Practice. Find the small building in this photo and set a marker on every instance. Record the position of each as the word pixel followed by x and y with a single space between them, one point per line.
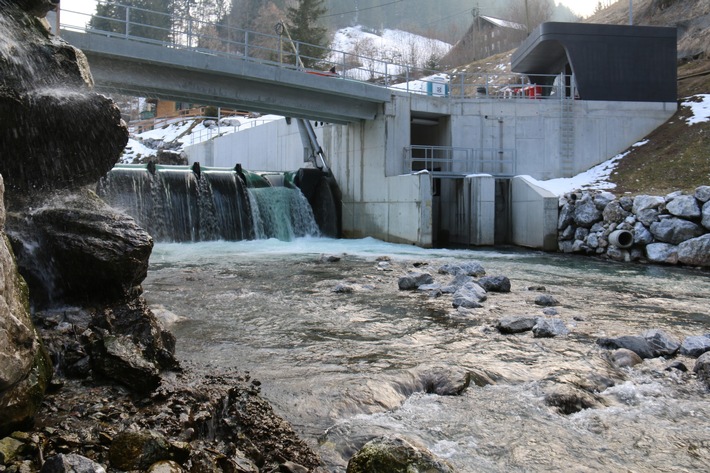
pixel 485 37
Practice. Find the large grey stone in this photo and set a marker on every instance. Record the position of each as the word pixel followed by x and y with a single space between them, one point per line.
pixel 684 206
pixel 516 324
pixel 702 193
pixel 647 216
pixel 566 216
pixel 495 283
pixel 71 463
pixel 646 202
pixel 642 236
pixel 638 345
pixel 548 328
pixel 602 199
pixel 393 455
pixel 662 253
pixel 413 280
pixel 675 230
pixel 696 251
pixel 695 345
pixel 469 296
pixel 586 213
pixel 468 268
pixel 614 212
pixel 702 368
pixel 661 343
pixel 706 215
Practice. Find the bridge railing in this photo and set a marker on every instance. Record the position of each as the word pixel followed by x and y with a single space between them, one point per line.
pixel 458 162
pixel 222 40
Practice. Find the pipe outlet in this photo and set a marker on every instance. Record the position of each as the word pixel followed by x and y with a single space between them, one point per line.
pixel 621 238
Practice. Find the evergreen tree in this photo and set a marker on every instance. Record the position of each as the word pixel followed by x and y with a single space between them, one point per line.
pixel 150 19
pixel 303 25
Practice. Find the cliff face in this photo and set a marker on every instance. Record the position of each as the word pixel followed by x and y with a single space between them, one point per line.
pixel 25 368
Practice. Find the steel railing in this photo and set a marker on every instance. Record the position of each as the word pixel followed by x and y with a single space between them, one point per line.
pixel 458 162
pixel 220 40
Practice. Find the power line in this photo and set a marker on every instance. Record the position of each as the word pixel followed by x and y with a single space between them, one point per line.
pixel 361 9
pixel 468 10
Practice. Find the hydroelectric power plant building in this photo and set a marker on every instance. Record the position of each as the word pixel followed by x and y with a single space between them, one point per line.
pixel 441 170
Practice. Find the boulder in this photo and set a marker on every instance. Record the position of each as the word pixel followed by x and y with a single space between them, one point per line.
pixel 602 199
pixel 516 324
pixel 702 193
pixel 702 368
pixel 646 202
pixel 566 216
pixel 695 345
pixel 469 296
pixel 706 215
pixel 661 343
pixel 413 280
pixel 647 216
pixel 684 206
pixel 71 463
pixel 469 268
pixel 25 367
pixel 641 234
pixel 548 328
pixel 675 230
pixel 581 233
pixel 625 358
pixel 10 448
pixel 546 300
pixel 568 399
pixel 586 212
pixel 139 450
pixel 696 251
pixel 638 345
pixel 443 381
pixel 78 250
pixel 662 253
pixel 614 212
pixel 166 466
pixel 495 283
pixel 395 455
pixel 627 203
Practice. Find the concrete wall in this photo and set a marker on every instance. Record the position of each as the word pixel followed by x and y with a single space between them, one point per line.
pixel 533 215
pixel 380 197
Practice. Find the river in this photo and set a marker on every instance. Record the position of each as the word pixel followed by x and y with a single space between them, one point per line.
pixel 346 366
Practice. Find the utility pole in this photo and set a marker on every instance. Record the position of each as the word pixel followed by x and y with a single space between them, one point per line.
pixel 527 16
pixel 631 12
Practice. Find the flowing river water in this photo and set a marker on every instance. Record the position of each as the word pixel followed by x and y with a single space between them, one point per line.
pixel 346 366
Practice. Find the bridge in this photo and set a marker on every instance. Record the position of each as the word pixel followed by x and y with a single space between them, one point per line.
pixel 187 61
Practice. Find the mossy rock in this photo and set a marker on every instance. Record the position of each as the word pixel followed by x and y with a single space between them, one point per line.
pixel 396 455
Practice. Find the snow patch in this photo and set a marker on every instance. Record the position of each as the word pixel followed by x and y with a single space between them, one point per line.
pixel 700 109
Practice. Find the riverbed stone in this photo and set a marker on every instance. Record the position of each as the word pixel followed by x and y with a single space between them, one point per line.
pixel 469 296
pixel 9 449
pixel 71 463
pixel 468 268
pixel 546 300
pixel 625 358
pixel 549 328
pixel 675 230
pixel 702 193
pixel 702 368
pixel 413 280
pixel 684 206
pixel 396 455
pixel 662 343
pixel 695 345
pixel 569 400
pixel 138 450
pixel 636 344
pixel 646 202
pixel 662 253
pixel 516 324
pixel 696 251
pixel 495 283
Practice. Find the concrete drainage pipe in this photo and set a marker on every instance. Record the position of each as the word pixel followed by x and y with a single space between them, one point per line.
pixel 621 238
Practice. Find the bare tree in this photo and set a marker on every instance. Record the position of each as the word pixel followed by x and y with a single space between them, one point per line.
pixel 531 12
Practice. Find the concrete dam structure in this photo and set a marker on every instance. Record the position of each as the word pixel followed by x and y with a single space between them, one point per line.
pixel 437 170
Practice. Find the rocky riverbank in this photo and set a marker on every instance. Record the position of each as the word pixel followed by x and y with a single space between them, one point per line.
pixel 671 229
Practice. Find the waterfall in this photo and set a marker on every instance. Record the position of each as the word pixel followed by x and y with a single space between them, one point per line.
pixel 182 204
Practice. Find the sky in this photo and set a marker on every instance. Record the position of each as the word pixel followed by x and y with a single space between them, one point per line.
pixel 87 7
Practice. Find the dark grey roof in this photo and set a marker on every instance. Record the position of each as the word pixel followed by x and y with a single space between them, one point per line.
pixel 610 62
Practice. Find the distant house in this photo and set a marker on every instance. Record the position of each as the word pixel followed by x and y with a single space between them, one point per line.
pixel 486 36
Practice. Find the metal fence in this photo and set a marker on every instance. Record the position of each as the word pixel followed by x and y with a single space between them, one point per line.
pixel 457 162
pixel 222 40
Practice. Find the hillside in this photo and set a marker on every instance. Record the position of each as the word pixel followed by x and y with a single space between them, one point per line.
pixel 677 155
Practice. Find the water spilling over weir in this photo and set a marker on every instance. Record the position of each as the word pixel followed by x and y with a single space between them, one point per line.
pixel 190 204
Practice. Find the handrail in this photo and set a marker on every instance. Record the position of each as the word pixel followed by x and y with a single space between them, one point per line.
pixel 187 33
pixel 458 162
